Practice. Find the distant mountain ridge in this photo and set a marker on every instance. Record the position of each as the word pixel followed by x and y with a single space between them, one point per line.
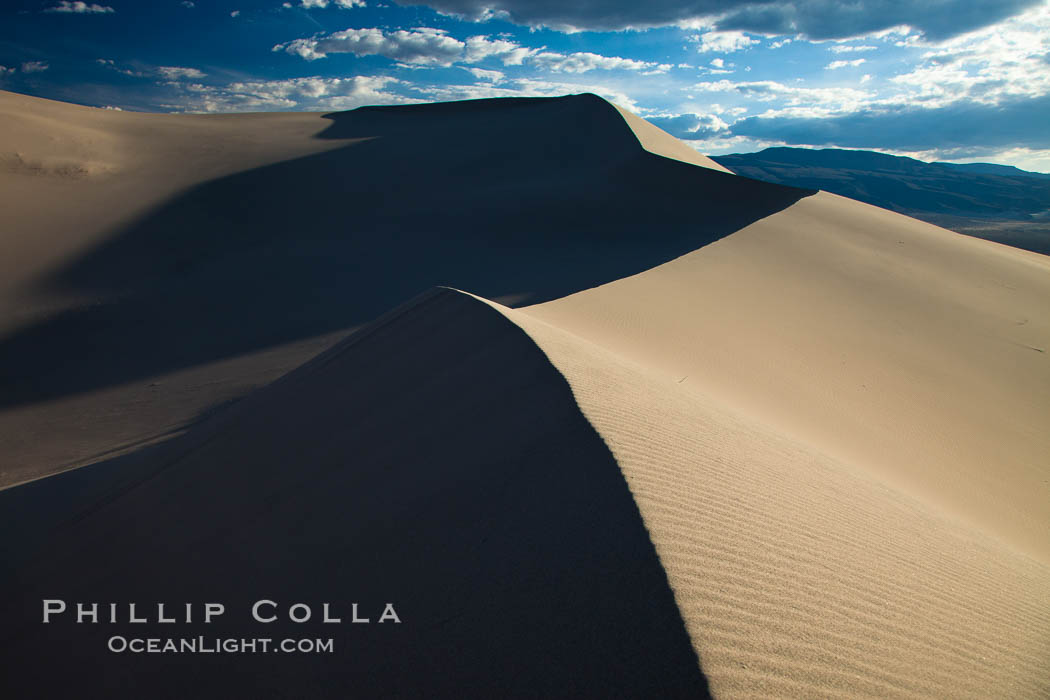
pixel 996 202
pixel 995 169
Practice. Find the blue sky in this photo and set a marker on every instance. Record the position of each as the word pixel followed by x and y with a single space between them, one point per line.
pixel 958 80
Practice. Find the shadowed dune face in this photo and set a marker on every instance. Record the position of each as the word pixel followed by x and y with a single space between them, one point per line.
pixel 518 200
pixel 437 461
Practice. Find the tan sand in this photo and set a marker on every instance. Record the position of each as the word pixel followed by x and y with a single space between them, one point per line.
pixel 72 176
pixel 799 575
pixel 655 140
pixel 834 423
pixel 156 267
pixel 910 352
pixel 70 173
pixel 830 418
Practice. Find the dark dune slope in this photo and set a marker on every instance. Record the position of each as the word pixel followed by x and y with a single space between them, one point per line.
pixel 517 200
pixel 436 461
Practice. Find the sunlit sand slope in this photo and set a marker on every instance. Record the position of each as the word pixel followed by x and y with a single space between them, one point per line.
pixel 904 350
pixel 801 576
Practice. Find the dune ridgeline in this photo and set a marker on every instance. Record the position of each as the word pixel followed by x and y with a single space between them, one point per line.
pixel 681 434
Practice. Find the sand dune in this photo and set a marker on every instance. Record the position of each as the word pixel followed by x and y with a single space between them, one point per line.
pixel 892 345
pixel 420 462
pixel 737 438
pixel 799 575
pixel 208 265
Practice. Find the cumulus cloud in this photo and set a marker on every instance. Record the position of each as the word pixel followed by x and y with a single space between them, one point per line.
pixel 794 100
pixel 987 91
pixel 953 128
pixel 583 62
pixel 178 72
pixel 428 46
pixel 999 63
pixel 690 126
pixel 345 4
pixel 816 19
pixel 850 48
pixel 293 93
pixel 420 45
pixel 509 53
pixel 4 70
pixel 80 8
pixel 35 66
pixel 984 92
pixel 492 76
pixel 835 65
pixel 724 42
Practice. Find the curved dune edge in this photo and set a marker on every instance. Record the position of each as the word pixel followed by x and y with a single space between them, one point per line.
pixel 434 459
pixel 796 575
pixel 659 142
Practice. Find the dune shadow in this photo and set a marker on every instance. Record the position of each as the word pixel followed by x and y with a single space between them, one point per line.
pixel 439 464
pixel 524 199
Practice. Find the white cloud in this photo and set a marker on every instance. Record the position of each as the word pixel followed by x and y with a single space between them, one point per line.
pixel 970 96
pixel 4 70
pixel 345 4
pixel 428 46
pixel 35 66
pixel 509 53
pixel 795 101
pixel 179 73
pixel 689 126
pixel 844 48
pixel 835 65
pixel 189 4
pixel 113 108
pixel 1005 61
pixel 718 62
pixel 724 42
pixel 80 8
pixel 235 13
pixel 420 45
pixel 492 76
pixel 110 63
pixel 293 93
pixel 584 61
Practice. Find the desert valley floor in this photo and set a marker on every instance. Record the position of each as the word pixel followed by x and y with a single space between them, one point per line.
pixel 601 417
